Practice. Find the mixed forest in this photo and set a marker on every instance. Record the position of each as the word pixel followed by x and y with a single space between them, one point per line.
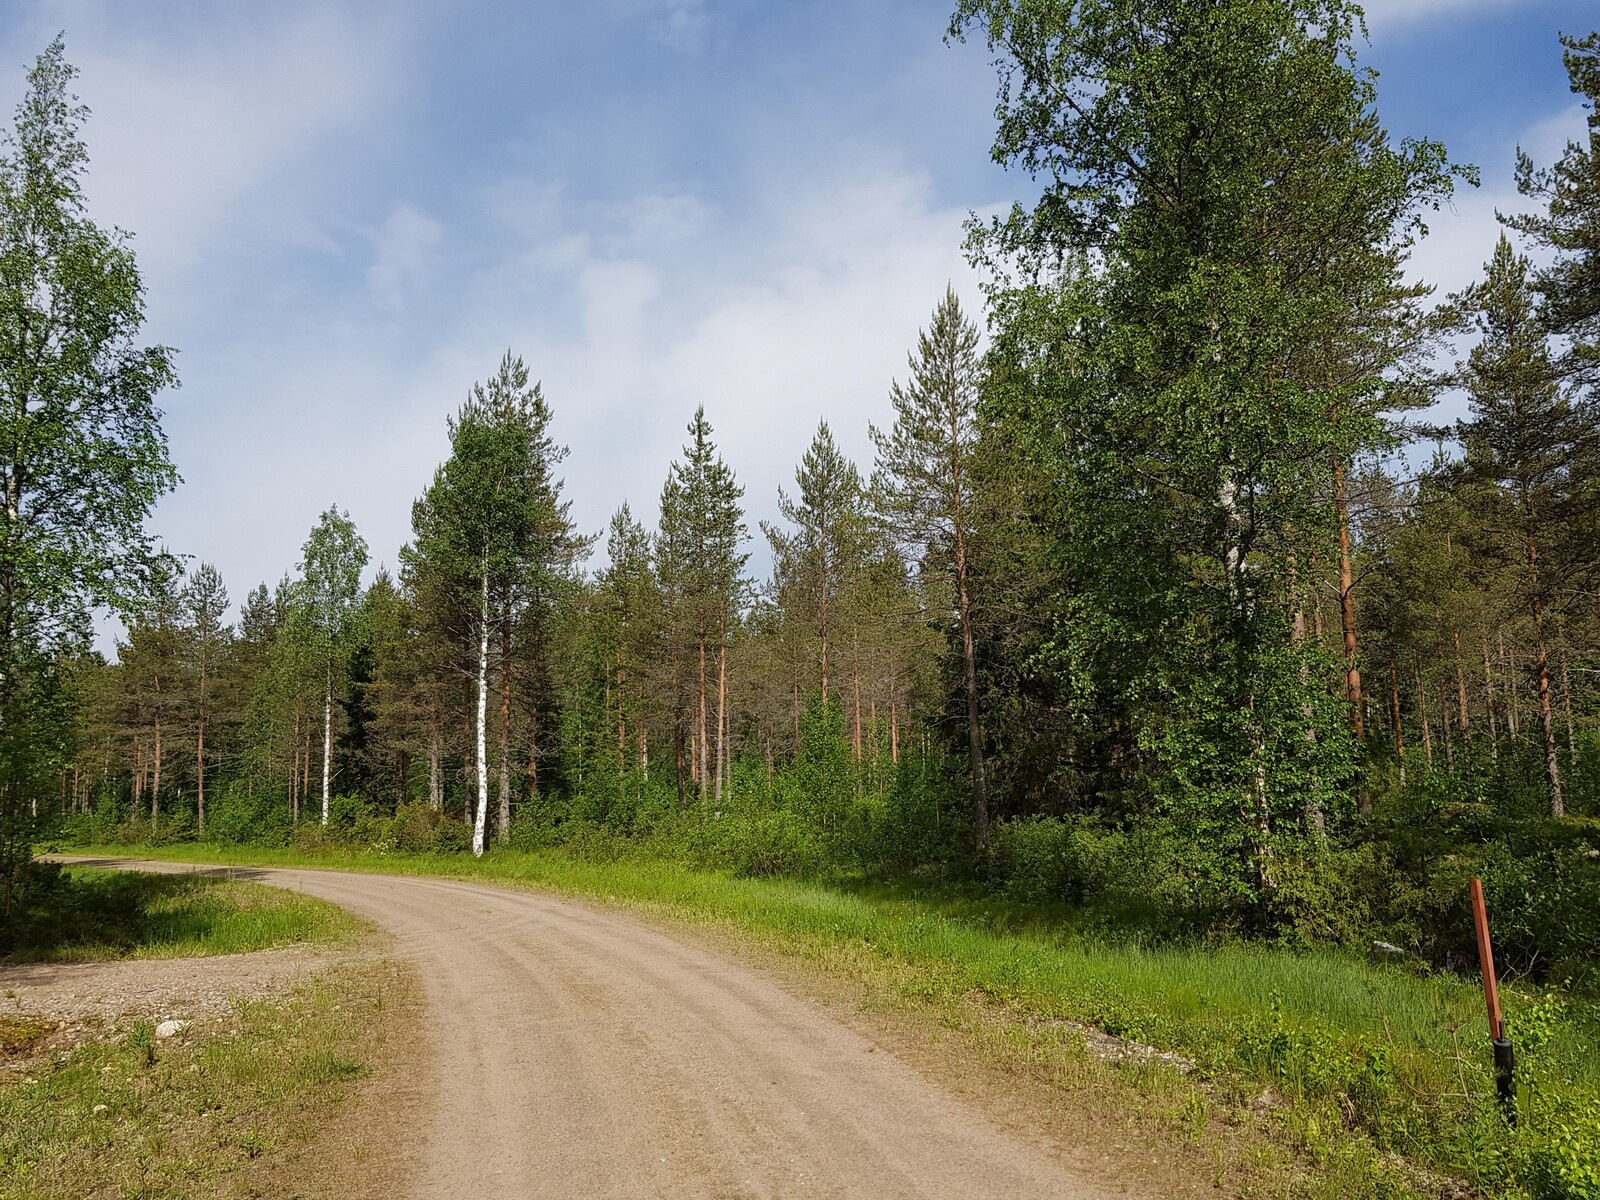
pixel 1168 593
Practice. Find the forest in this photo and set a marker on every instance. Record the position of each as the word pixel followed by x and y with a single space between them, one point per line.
pixel 1168 597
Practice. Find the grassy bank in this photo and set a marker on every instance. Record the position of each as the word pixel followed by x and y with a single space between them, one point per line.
pixel 1344 1062
pixel 222 1115
pixel 89 915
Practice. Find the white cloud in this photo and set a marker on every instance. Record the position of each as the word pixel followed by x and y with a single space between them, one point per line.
pixel 1463 235
pixel 1385 14
pixel 404 248
pixel 682 24
pixel 190 123
pixel 807 318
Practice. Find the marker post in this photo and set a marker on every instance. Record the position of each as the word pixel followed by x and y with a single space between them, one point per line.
pixel 1505 1061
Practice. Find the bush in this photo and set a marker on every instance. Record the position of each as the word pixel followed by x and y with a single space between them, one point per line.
pixel 238 818
pixel 1147 876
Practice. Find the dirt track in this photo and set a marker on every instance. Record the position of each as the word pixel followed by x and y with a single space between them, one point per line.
pixel 578 1054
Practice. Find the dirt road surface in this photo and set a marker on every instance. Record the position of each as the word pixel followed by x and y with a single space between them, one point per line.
pixel 577 1054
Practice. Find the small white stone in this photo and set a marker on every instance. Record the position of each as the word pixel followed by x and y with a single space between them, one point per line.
pixel 99 1108
pixel 171 1028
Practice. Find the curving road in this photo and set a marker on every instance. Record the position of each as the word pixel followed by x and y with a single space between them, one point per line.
pixel 578 1054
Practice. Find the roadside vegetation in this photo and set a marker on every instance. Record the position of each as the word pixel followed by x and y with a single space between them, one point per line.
pixel 224 1114
pixel 79 914
pixel 1147 678
pixel 1336 1060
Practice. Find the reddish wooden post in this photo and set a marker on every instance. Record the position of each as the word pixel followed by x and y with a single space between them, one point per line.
pixel 1504 1059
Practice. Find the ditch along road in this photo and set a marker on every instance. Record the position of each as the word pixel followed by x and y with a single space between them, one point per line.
pixel 576 1053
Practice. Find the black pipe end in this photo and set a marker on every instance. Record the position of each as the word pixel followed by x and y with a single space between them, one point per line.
pixel 1505 1077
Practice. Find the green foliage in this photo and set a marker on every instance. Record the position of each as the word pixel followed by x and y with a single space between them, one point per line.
pixel 82 455
pixel 84 914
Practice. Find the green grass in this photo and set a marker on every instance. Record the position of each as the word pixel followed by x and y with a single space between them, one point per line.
pixel 200 1116
pixel 1359 1058
pixel 91 915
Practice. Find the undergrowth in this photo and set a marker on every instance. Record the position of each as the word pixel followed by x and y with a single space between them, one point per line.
pixel 1356 1058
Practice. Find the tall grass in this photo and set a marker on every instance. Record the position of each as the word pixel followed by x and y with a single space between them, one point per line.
pixel 1394 1055
pixel 90 915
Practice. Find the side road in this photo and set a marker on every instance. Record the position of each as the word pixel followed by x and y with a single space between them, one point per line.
pixel 579 1054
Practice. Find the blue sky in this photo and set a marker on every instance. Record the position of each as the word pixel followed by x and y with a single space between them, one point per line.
pixel 346 212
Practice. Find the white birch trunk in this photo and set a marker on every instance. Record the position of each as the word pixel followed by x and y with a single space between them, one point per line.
pixel 483 714
pixel 327 742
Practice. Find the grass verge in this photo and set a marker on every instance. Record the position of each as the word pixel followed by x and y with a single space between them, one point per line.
pixel 90 915
pixel 1314 1074
pixel 219 1115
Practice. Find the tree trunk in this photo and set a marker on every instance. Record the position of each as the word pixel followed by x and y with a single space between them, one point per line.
pixel 1444 728
pixel 1488 704
pixel 1347 606
pixel 700 729
pixel 1513 709
pixel 1394 715
pixel 855 684
pixel 503 816
pixel 678 763
pixel 1547 725
pixel 155 777
pixel 435 779
pixel 894 730
pixel 1422 708
pixel 294 771
pixel 824 631
pixel 622 729
pixel 200 754
pixel 1463 721
pixel 200 777
pixel 722 708
pixel 481 730
pixel 1566 703
pixel 327 741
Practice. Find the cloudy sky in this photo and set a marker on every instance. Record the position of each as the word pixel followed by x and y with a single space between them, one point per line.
pixel 346 212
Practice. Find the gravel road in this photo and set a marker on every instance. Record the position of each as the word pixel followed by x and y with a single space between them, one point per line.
pixel 578 1054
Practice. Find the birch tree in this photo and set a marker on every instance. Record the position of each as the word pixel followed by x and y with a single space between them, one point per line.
pixel 496 538
pixel 331 563
pixel 82 455
pixel 1216 184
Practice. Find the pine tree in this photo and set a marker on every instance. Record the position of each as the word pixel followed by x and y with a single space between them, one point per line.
pixel 1525 449
pixel 923 484
pixel 818 566
pixel 207 635
pixel 701 567
pixel 1570 225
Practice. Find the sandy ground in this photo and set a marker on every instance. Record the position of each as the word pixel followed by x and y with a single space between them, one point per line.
pixel 579 1054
